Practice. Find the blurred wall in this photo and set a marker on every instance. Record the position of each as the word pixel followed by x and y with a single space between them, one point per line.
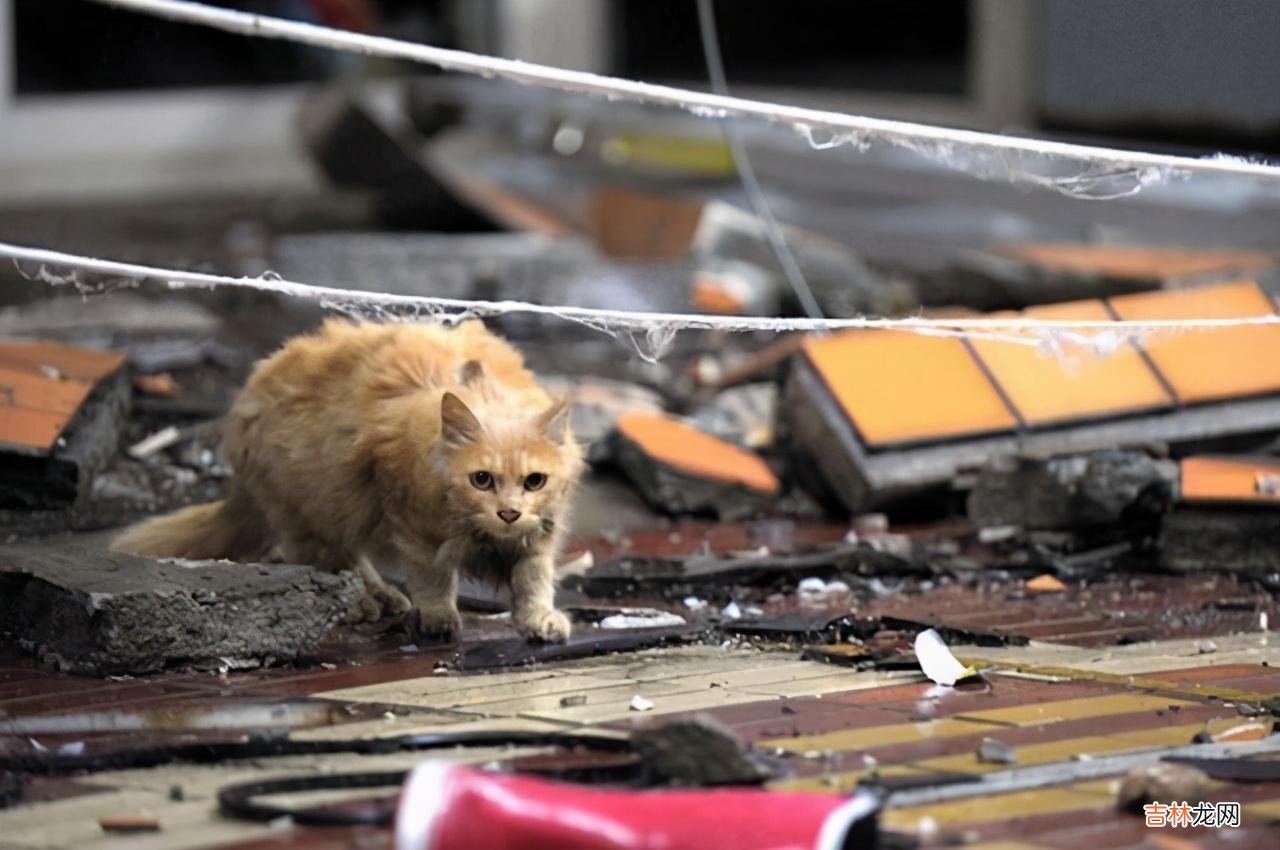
pixel 1163 61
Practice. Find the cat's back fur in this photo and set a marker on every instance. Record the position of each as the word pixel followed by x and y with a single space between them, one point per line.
pixel 330 441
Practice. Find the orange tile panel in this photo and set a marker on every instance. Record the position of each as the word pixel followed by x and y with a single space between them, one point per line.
pixel 42 385
pixel 36 392
pixel 79 363
pixel 1210 479
pixel 32 430
pixel 899 387
pixel 693 452
pixel 1080 385
pixel 1205 365
pixel 1135 262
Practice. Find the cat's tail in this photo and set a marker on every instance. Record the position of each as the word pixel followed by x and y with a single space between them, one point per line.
pixel 232 528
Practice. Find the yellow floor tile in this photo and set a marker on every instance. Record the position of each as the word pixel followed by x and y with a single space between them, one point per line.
pixel 549 705
pixel 835 683
pixel 1067 749
pixel 883 736
pixel 976 722
pixel 835 783
pixel 414 725
pixel 682 661
pixel 451 694
pixel 1073 709
pixel 621 709
pixel 1262 810
pixel 973 810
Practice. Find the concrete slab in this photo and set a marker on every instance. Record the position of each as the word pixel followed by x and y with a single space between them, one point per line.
pixel 93 612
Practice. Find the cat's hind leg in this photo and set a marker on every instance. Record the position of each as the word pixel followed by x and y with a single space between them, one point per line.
pixel 379 598
pixel 388 600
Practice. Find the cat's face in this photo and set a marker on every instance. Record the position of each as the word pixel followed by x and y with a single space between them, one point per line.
pixel 508 479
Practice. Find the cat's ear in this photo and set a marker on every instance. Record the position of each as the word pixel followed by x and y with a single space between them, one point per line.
pixel 472 371
pixel 458 425
pixel 554 421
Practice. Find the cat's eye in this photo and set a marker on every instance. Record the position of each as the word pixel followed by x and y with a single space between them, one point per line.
pixel 482 480
pixel 534 481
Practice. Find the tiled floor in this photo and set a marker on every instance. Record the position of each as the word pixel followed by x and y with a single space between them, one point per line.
pixel 829 726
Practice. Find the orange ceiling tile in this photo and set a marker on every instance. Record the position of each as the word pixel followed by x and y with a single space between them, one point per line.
pixel 696 453
pixel 1204 365
pixel 899 387
pixel 1210 479
pixel 1046 389
pixel 1135 262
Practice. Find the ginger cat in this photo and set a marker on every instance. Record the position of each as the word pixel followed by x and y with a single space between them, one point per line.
pixel 366 444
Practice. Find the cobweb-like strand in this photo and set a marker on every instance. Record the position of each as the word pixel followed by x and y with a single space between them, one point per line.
pixel 650 333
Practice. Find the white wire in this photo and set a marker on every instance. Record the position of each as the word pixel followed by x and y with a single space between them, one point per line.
pixel 604 318
pixel 742 161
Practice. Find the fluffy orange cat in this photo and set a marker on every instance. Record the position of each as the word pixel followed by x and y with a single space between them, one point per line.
pixel 369 444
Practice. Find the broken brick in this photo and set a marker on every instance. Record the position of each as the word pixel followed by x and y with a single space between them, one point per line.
pixel 680 469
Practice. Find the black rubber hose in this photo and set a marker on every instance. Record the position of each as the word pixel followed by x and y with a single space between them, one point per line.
pixel 54 764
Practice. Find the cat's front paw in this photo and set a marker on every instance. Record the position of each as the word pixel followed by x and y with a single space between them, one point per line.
pixel 546 624
pixel 439 622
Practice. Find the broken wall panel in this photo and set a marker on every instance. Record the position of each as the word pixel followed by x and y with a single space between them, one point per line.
pixel 1205 365
pixel 901 388
pixel 887 415
pixel 1044 392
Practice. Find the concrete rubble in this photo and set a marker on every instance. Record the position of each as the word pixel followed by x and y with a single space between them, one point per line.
pixel 96 613
pixel 1074 491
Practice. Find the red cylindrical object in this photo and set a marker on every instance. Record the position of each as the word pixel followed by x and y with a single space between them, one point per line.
pixel 452 807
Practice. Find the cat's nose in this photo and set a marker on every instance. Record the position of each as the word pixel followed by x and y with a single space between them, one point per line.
pixel 509 515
